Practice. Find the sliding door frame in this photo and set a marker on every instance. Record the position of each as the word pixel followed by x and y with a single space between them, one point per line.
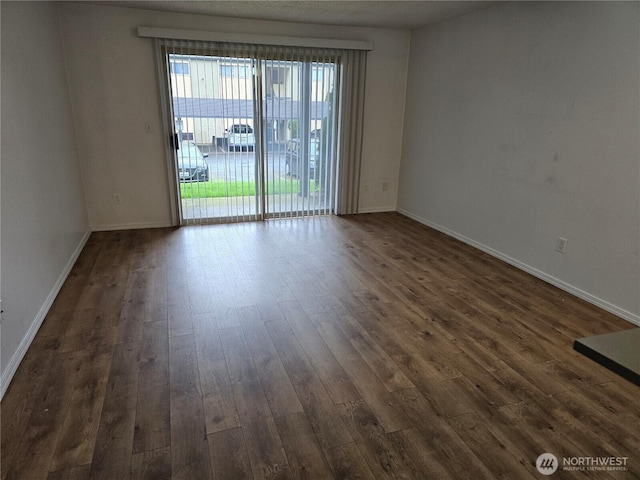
pixel 166 106
pixel 258 60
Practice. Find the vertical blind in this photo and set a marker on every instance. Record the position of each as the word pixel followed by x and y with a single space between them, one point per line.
pixel 263 131
pixel 351 125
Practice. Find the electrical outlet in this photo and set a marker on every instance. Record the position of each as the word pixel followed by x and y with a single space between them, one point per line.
pixel 147 127
pixel 561 245
pixel 117 199
pixel 385 186
pixel 366 187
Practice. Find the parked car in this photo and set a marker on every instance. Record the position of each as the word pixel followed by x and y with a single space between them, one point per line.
pixel 240 137
pixel 192 166
pixel 294 164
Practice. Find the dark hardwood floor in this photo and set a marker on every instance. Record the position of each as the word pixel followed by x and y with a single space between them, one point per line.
pixel 361 347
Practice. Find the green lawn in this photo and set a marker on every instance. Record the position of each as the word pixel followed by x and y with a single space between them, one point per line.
pixel 216 189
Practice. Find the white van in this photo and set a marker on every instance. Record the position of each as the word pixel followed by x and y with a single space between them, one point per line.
pixel 240 137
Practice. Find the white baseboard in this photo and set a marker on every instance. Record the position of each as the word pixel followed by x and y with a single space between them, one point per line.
pixel 129 226
pixel 609 307
pixel 17 357
pixel 376 209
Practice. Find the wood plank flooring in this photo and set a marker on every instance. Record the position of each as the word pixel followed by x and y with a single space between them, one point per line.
pixel 363 347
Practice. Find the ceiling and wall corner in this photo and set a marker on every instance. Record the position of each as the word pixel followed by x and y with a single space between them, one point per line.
pixel 396 14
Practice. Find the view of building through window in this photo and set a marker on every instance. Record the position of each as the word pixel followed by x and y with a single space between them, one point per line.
pixel 255 137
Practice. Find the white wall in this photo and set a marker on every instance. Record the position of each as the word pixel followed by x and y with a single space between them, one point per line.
pixel 522 126
pixel 114 90
pixel 44 219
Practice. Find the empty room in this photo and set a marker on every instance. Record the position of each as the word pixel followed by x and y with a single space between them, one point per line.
pixel 320 240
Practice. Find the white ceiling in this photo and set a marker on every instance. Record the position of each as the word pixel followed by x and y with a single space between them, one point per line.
pixel 359 13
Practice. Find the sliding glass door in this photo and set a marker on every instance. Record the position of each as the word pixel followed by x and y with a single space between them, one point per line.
pixel 214 122
pixel 253 133
pixel 299 124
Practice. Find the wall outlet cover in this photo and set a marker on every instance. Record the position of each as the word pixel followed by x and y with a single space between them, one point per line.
pixel 561 245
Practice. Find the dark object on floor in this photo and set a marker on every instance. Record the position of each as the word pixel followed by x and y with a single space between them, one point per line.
pixel 619 352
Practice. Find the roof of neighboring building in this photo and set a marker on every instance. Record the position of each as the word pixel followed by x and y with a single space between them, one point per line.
pixel 276 108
